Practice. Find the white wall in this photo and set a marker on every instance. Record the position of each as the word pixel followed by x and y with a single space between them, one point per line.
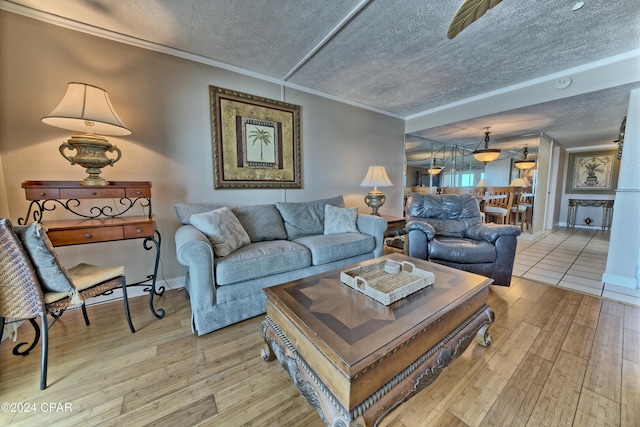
pixel 164 100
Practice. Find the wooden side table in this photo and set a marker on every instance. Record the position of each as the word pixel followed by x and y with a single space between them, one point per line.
pixel 394 237
pixel 94 224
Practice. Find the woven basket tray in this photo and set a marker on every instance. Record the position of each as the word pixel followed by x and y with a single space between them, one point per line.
pixel 373 281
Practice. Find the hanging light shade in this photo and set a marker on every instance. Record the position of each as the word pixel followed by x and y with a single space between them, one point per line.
pixel 435 169
pixel 525 164
pixel 487 154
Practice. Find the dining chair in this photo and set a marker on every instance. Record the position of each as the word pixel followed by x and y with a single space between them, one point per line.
pixel 497 203
pixel 34 284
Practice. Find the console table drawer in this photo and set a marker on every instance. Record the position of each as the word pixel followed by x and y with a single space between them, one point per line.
pixel 85 235
pixel 132 192
pixel 136 231
pixel 42 193
pixel 91 193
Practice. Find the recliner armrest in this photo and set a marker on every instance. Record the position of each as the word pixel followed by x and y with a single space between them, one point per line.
pixel 423 226
pixel 491 232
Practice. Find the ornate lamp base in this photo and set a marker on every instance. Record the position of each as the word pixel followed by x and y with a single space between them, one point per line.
pixel 91 154
pixel 375 199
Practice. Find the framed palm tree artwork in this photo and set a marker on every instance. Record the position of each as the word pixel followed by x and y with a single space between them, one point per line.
pixel 592 172
pixel 256 141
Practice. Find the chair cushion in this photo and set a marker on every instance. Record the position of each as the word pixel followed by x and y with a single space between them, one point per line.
pixel 261 259
pixel 261 222
pixel 462 251
pixel 326 248
pixel 494 210
pixel 84 275
pixel 340 220
pixel 50 271
pixel 223 229
pixel 306 218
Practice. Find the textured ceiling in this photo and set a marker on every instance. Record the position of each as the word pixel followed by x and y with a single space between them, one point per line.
pixel 394 56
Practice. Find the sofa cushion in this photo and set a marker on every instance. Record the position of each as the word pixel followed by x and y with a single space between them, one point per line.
pixel 326 248
pixel 340 220
pixel 261 222
pixel 223 229
pixel 185 210
pixel 462 251
pixel 261 259
pixel 306 218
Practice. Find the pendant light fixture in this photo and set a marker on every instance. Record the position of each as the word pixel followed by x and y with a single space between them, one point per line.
pixel 487 154
pixel 525 164
pixel 435 169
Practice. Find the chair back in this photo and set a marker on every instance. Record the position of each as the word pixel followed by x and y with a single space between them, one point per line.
pixel 448 214
pixel 500 197
pixel 457 190
pixel 20 291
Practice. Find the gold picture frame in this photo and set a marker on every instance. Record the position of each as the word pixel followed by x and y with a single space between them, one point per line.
pixel 593 172
pixel 256 141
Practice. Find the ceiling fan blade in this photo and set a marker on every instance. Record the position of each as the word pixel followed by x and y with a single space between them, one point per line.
pixel 468 12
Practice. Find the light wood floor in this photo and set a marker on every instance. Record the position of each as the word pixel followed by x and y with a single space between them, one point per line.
pixel 558 358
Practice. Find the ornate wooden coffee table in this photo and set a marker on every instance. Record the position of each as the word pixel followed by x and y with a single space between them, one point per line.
pixel 354 359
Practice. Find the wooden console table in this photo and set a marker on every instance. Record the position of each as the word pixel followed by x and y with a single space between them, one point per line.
pixel 607 211
pixel 96 224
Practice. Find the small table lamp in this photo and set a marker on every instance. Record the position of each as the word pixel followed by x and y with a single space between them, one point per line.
pixel 87 109
pixel 517 182
pixel 376 177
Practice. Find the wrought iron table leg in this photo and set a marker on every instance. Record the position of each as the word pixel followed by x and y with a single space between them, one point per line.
pixel 159 313
pixel 16 349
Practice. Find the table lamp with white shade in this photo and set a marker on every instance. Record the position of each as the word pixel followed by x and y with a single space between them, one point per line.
pixel 87 109
pixel 376 177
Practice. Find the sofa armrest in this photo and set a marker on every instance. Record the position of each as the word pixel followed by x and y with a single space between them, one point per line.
pixel 193 249
pixel 491 232
pixel 373 226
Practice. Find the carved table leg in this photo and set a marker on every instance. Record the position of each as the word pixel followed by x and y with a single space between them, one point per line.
pixel 482 336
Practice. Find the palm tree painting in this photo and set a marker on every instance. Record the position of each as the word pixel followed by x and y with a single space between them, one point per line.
pixel 260 148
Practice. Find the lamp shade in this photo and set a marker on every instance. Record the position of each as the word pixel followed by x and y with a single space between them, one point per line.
pixel 435 170
pixel 480 183
pixel 376 177
pixel 524 164
pixel 86 108
pixel 487 155
pixel 517 182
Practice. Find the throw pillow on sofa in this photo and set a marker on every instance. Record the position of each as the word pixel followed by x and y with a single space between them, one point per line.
pixel 340 220
pixel 261 222
pixel 223 229
pixel 306 218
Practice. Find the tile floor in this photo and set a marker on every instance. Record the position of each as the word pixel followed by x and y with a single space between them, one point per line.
pixel 572 258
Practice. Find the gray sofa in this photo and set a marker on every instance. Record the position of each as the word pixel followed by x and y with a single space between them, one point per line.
pixel 449 229
pixel 286 241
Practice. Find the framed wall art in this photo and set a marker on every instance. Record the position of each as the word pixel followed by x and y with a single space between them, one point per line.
pixel 256 141
pixel 592 172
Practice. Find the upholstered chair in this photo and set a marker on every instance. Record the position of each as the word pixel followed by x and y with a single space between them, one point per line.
pixel 449 229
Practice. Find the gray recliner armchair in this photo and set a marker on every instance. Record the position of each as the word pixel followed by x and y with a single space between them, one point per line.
pixel 448 229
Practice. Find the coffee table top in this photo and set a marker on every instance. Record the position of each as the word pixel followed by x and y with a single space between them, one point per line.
pixel 350 327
